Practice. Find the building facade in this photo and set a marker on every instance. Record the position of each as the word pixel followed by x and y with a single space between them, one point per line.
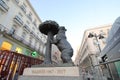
pixel 19 28
pixel 111 53
pixel 94 40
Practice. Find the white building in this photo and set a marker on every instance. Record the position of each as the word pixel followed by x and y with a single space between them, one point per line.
pixel 94 40
pixel 19 28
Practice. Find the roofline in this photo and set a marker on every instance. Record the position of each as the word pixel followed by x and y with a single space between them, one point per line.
pixel 34 10
pixel 97 27
pixel 83 38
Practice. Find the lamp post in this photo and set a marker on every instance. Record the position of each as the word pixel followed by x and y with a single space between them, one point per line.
pixel 91 35
pixel 96 37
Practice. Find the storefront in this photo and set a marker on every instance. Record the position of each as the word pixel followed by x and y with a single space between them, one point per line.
pixel 7 44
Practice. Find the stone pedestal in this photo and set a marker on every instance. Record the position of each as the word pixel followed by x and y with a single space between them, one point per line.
pixel 51 73
pixel 48 78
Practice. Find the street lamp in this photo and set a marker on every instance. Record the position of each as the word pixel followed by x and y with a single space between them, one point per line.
pixel 96 37
pixel 91 35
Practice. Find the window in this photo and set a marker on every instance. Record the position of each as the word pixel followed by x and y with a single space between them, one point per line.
pixel 35 23
pixel 20 14
pixel 3 6
pixel 18 50
pixel 18 20
pixel 24 35
pixel 17 1
pixel 27 52
pixel 23 7
pixel 28 22
pixel 117 65
pixel 6 46
pixel 102 32
pixel 12 31
pixel 30 40
pixel 27 28
pixel 30 16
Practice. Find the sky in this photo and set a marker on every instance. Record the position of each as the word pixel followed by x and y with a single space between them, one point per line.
pixel 77 15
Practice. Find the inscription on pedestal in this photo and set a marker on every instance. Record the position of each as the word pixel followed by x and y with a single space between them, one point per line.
pixel 52 71
pixel 44 71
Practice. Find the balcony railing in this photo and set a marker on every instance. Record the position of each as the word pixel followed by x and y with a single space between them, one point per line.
pixel 18 20
pixel 12 64
pixel 17 37
pixel 22 40
pixel 12 33
pixel 34 23
pixel 23 8
pixel 17 1
pixel 2 28
pixel 33 34
pixel 29 17
pixel 3 6
pixel 5 30
pixel 27 27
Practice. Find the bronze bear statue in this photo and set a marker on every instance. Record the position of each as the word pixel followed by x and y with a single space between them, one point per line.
pixel 63 45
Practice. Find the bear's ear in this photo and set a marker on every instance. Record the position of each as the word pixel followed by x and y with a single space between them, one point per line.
pixel 65 29
pixel 62 28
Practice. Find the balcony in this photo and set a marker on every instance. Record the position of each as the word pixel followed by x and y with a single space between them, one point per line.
pixel 3 6
pixel 5 31
pixel 18 20
pixel 2 28
pixel 22 40
pixel 16 36
pixel 29 17
pixel 33 34
pixel 17 1
pixel 27 28
pixel 11 32
pixel 23 8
